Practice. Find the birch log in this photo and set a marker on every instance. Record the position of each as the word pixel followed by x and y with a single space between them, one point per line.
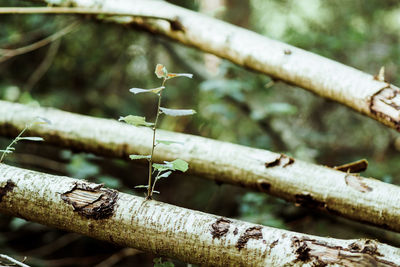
pixel 319 187
pixel 365 93
pixel 163 229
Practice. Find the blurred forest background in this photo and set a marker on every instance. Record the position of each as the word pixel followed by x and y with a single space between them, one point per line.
pixel 90 70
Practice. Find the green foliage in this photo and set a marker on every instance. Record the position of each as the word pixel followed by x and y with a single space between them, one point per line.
pixel 136 120
pixel 159 263
pixel 176 165
pixel 10 148
pixel 162 170
pixel 177 112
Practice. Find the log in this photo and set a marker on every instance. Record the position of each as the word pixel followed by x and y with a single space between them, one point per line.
pixel 167 230
pixel 318 187
pixel 365 93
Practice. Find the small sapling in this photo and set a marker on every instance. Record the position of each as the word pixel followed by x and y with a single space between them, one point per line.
pixel 165 169
pixel 10 148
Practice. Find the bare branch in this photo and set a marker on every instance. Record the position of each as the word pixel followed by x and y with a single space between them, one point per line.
pixel 9 53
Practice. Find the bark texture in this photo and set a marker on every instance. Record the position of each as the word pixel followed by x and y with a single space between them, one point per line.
pixel 327 78
pixel 163 229
pixel 319 187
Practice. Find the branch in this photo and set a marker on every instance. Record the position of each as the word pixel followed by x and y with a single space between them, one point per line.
pixel 327 78
pixel 14 262
pixel 87 11
pixel 191 236
pixel 8 53
pixel 319 187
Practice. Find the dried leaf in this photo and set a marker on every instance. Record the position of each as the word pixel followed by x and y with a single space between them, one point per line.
pixel 161 71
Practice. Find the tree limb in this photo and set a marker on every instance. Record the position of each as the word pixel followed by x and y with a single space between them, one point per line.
pixel 163 229
pixel 361 91
pixel 319 187
pixel 6 54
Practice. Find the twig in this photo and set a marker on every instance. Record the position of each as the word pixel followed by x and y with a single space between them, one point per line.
pixel 44 65
pixel 8 53
pixel 78 10
pixel 13 261
pixel 115 258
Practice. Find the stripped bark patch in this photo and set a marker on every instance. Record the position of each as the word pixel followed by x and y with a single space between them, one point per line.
pixel 306 200
pixel 91 201
pixel 220 228
pixel 318 253
pixel 7 188
pixel 250 233
pixel 385 104
pixel 282 160
pixel 357 183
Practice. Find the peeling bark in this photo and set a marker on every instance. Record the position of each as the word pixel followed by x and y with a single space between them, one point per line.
pixel 303 183
pixel 91 202
pixel 180 233
pixel 353 167
pixel 8 187
pixel 357 183
pixel 325 77
pixel 282 160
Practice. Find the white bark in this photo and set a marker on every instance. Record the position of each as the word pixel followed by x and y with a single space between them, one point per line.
pixel 325 77
pixel 191 236
pixel 351 196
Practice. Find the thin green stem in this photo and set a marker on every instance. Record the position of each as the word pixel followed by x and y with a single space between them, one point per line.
pixel 13 142
pixel 150 188
pixel 155 181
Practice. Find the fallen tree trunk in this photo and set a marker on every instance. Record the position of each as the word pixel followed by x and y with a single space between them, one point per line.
pixel 368 94
pixel 163 229
pixel 319 187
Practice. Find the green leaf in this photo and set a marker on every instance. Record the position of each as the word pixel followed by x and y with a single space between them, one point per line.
pixel 6 151
pixel 164 175
pixel 31 138
pixel 175 75
pixel 140 90
pixel 136 120
pixel 142 186
pixel 163 167
pixel 161 71
pixel 177 164
pixel 168 142
pixel 139 157
pixel 177 112
pixel 158 263
pixel 180 165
